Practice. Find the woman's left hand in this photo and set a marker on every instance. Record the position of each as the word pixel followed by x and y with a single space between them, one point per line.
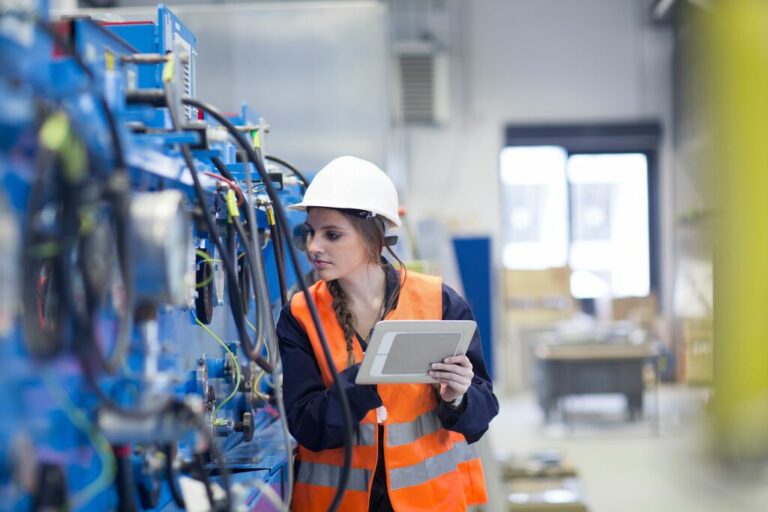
pixel 454 375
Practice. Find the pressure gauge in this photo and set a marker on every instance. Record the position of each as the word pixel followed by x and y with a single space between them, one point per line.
pixel 161 243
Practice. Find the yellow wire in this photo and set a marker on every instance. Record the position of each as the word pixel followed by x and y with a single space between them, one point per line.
pixel 257 381
pixel 210 261
pixel 266 346
pixel 255 386
pixel 234 361
pixel 102 446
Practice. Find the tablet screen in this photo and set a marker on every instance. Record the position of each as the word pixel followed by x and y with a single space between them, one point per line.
pixel 403 350
pixel 411 353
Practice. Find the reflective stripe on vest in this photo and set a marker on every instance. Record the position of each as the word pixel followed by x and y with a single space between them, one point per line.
pixel 365 434
pixel 328 475
pixel 431 467
pixel 399 434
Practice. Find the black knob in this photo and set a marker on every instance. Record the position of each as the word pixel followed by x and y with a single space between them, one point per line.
pixel 246 426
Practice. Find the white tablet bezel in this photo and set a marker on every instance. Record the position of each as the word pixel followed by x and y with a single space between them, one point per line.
pixel 384 332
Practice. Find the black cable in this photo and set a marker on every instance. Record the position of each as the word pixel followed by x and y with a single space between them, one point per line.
pixel 43 321
pixel 121 208
pixel 222 168
pixel 246 246
pixel 70 198
pixel 283 224
pixel 232 247
pixel 170 475
pixel 125 483
pixel 290 166
pixel 85 347
pixel 253 352
pixel 276 240
pixel 117 195
pixel 216 455
pixel 199 465
pixel 276 244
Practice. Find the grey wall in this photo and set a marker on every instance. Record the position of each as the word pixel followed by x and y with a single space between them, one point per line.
pixel 533 61
pixel 318 72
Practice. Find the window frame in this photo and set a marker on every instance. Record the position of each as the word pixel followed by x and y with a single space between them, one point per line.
pixel 606 138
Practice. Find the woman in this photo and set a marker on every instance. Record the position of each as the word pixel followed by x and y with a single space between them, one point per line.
pixel 412 448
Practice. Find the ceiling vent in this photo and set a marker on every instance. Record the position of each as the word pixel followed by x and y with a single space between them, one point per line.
pixel 423 74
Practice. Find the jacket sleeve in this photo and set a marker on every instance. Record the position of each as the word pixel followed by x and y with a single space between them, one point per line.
pixel 480 404
pixel 314 412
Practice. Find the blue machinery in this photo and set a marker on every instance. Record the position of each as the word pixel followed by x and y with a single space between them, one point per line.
pixel 138 363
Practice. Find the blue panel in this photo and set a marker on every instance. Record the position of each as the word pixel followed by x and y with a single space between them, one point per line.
pixel 53 449
pixel 475 266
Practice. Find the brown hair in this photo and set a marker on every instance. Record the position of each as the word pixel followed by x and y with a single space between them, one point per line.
pixel 371 230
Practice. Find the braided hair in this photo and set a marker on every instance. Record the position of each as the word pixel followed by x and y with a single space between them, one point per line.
pixel 372 230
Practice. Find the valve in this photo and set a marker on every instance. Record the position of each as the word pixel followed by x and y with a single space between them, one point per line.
pixel 246 426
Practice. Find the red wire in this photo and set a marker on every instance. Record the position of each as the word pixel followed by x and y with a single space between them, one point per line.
pixel 240 198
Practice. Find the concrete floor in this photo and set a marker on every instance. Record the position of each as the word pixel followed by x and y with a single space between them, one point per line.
pixel 644 466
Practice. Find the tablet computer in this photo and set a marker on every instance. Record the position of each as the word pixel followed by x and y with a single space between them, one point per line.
pixel 402 351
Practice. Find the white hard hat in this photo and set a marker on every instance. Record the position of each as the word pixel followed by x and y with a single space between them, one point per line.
pixel 348 182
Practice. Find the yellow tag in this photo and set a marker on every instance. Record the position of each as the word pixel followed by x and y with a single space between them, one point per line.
pixel 270 216
pixel 109 60
pixel 256 138
pixel 55 131
pixel 232 204
pixel 168 69
pixel 75 161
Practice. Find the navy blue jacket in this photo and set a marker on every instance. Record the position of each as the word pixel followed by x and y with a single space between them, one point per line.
pixel 314 411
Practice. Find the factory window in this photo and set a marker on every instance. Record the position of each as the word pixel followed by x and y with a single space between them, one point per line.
pixel 609 247
pixel 583 198
pixel 535 207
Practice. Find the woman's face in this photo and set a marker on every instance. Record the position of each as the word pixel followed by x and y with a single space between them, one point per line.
pixel 335 248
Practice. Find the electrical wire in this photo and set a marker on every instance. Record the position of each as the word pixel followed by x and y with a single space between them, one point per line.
pixel 199 464
pixel 283 224
pixel 170 474
pixel 278 248
pixel 235 187
pixel 266 345
pixel 216 454
pixel 126 483
pixel 63 183
pixel 280 401
pixel 249 251
pixel 209 261
pixel 106 455
pixel 117 194
pixel 257 380
pixel 236 305
pixel 222 168
pixel 236 387
pixel 290 166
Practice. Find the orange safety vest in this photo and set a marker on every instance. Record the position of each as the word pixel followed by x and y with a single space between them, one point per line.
pixel 428 467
